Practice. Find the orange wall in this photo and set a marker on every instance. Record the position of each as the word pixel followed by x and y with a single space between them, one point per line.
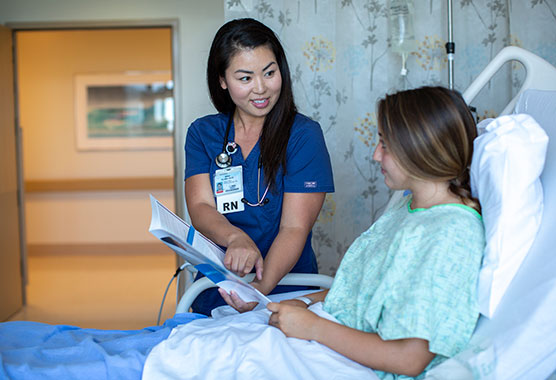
pixel 47 62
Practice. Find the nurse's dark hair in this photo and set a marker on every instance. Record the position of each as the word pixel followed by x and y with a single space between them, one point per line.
pixel 430 132
pixel 245 34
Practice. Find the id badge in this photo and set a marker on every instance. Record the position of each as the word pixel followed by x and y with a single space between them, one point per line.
pixel 228 189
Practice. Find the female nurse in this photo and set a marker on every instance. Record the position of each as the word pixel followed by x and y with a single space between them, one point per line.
pixel 257 172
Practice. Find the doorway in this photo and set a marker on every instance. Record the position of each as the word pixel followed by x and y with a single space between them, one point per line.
pixel 83 203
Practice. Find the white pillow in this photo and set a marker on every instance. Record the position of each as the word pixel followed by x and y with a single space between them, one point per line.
pixel 507 161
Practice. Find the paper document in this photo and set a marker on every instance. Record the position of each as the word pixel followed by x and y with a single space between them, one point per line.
pixel 199 251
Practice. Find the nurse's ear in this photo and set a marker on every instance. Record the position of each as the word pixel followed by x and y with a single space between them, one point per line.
pixel 223 83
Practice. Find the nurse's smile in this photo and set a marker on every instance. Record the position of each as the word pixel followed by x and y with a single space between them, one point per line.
pixel 262 103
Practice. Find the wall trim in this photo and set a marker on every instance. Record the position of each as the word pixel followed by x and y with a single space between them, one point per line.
pixel 99 184
pixel 97 249
pixel 93 24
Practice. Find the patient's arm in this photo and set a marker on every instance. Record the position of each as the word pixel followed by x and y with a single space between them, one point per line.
pixel 314 297
pixel 404 356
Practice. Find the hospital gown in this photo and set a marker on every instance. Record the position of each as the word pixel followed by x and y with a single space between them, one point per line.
pixel 414 274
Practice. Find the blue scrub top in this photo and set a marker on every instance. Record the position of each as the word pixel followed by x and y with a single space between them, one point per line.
pixel 308 170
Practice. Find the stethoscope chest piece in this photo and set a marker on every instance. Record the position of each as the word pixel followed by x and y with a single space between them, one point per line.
pixel 223 160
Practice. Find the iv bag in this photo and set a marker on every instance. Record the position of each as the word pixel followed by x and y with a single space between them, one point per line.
pixel 402 35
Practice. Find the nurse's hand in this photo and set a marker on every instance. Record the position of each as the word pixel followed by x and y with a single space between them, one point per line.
pixel 242 255
pixel 237 303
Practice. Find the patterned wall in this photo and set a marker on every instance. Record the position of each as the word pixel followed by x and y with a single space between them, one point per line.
pixel 341 60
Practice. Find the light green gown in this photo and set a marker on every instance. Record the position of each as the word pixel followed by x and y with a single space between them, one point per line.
pixel 413 274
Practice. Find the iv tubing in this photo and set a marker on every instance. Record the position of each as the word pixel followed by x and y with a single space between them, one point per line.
pixel 450 47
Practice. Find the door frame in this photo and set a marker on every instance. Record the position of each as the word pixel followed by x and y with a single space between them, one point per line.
pixel 173 24
pixel 15 159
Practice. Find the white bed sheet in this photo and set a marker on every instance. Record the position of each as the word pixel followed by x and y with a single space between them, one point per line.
pixel 244 346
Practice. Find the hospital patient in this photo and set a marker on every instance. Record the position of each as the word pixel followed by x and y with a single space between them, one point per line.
pixel 405 292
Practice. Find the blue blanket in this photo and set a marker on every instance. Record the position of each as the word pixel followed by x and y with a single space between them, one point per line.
pixel 32 350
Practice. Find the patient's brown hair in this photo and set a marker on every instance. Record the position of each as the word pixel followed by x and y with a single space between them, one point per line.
pixel 430 131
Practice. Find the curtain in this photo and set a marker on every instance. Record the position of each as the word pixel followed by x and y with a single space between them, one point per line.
pixel 342 61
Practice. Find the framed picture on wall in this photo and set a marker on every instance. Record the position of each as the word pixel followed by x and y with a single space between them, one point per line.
pixel 124 111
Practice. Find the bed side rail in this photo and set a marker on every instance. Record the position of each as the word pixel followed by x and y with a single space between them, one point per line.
pixel 300 279
pixel 540 74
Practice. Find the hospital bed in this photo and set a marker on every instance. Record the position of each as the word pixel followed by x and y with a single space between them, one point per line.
pixel 517 342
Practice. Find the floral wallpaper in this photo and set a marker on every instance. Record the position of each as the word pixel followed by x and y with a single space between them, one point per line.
pixel 342 62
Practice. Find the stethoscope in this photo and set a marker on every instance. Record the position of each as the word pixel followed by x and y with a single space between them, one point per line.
pixel 224 160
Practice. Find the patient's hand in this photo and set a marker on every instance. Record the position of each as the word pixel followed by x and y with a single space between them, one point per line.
pixel 294 321
pixel 236 302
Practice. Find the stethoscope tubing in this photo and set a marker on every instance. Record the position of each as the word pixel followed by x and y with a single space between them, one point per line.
pixel 224 160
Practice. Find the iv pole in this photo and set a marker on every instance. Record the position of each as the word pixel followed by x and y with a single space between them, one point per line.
pixel 450 47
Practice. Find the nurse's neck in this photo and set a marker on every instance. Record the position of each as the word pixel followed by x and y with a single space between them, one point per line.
pixel 248 125
pixel 247 132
